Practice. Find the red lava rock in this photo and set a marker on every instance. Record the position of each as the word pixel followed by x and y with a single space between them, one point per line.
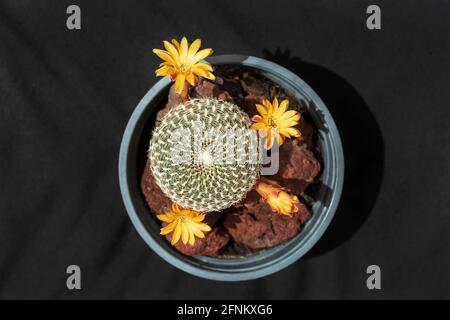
pixel 249 104
pixel 205 89
pixel 257 226
pixel 225 96
pixel 307 131
pixel 208 89
pixel 173 100
pixel 211 218
pixel 303 213
pixel 233 87
pixel 254 86
pixel 210 245
pixel 157 201
pixel 245 228
pixel 298 166
pixel 255 91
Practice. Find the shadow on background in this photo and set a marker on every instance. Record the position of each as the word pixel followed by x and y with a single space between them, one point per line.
pixel 362 142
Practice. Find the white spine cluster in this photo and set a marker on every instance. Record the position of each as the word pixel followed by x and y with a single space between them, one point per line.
pixel 204 156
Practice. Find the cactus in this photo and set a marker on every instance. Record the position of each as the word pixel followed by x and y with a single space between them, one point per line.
pixel 217 171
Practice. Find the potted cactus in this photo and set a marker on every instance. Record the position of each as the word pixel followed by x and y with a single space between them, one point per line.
pixel 230 168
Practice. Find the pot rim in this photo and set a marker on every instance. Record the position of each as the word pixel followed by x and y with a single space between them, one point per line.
pixel 297 251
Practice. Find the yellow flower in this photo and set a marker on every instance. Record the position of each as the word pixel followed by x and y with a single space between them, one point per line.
pixel 275 121
pixel 183 62
pixel 184 223
pixel 279 200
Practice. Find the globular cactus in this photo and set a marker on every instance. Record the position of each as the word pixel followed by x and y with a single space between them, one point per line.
pixel 220 160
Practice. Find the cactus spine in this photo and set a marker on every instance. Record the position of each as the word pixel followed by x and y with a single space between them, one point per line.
pixel 217 170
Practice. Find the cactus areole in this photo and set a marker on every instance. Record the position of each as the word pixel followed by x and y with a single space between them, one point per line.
pixel 204 156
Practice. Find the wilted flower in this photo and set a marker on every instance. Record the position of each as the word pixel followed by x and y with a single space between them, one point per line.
pixel 278 199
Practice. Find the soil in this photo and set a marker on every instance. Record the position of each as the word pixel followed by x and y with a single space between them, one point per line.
pixel 251 225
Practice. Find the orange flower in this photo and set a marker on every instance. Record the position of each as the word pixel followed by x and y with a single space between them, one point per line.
pixel 275 121
pixel 278 199
pixel 182 62
pixel 184 223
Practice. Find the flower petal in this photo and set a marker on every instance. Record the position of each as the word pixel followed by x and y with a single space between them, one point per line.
pixel 268 106
pixel 287 123
pixel 191 237
pixel 258 126
pixel 202 54
pixel 261 109
pixel 176 234
pixel 190 78
pixel 210 76
pixel 197 232
pixel 280 139
pixel 194 48
pixel 203 227
pixel 293 118
pixel 269 140
pixel 176 44
pixel 175 208
pixel 172 50
pixel 164 55
pixel 257 118
pixel 179 83
pixel 165 217
pixel 184 233
pixel 204 66
pixel 200 72
pixel 290 132
pixel 285 133
pixel 165 71
pixel 275 105
pixel 289 114
pixel 199 218
pixel 281 109
pixel 169 228
pixel 184 46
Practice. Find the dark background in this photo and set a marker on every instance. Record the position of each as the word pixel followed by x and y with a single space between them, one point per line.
pixel 66 96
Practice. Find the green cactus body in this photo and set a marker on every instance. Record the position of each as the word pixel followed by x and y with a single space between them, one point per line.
pixel 204 156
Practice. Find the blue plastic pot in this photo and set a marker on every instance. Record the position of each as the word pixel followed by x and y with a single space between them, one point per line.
pixel 264 262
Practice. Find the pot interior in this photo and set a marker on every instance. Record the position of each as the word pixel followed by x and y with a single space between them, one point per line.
pixel 264 261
